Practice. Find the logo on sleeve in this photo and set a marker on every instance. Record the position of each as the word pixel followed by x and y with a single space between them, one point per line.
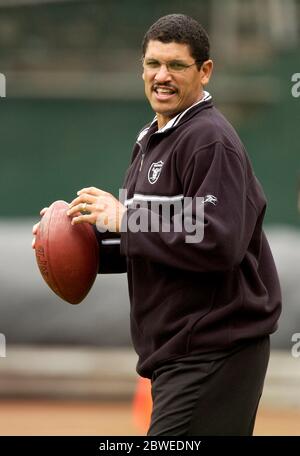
pixel 154 171
pixel 210 199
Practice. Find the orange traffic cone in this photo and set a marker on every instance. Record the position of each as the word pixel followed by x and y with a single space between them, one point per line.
pixel 142 404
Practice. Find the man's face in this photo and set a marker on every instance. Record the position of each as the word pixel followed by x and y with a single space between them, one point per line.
pixel 171 92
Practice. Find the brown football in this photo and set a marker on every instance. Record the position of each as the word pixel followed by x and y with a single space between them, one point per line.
pixel 67 255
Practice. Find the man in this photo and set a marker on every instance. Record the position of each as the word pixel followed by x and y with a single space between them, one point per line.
pixel 201 309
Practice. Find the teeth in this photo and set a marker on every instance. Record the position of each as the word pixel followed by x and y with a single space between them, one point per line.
pixel 165 91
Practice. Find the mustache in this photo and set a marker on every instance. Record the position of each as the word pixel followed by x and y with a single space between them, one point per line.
pixel 164 86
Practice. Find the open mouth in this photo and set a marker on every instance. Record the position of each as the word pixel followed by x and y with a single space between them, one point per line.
pixel 164 93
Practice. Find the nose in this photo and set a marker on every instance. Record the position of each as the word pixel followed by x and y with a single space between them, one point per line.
pixel 162 74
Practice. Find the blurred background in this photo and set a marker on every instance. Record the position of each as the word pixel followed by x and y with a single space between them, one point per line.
pixel 74 104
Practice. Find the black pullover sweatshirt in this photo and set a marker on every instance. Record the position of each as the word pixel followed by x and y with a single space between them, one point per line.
pixel 193 297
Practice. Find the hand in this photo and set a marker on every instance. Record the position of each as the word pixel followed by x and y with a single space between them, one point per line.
pixel 36 227
pixel 99 208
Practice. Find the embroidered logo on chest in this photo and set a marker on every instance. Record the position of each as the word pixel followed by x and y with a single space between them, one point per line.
pixel 154 171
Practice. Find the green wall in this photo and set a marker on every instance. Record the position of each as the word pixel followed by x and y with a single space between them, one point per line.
pixel 273 142
pixel 51 149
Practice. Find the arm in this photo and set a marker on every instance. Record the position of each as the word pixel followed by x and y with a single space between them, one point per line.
pixel 229 220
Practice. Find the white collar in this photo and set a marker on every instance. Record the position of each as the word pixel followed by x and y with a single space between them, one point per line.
pixel 174 120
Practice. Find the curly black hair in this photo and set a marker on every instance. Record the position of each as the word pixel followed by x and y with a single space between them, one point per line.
pixel 180 29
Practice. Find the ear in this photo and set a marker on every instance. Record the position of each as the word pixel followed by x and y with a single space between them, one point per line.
pixel 143 75
pixel 206 71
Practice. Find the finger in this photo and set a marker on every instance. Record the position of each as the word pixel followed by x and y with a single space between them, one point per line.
pixel 35 228
pixel 84 198
pixel 92 191
pixel 43 211
pixel 89 218
pixel 82 207
pixel 75 210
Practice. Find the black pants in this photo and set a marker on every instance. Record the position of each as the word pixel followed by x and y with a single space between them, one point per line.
pixel 210 394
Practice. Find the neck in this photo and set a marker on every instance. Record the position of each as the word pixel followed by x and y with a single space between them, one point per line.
pixel 163 119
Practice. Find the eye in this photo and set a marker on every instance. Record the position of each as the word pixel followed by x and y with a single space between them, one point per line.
pixel 176 66
pixel 152 64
